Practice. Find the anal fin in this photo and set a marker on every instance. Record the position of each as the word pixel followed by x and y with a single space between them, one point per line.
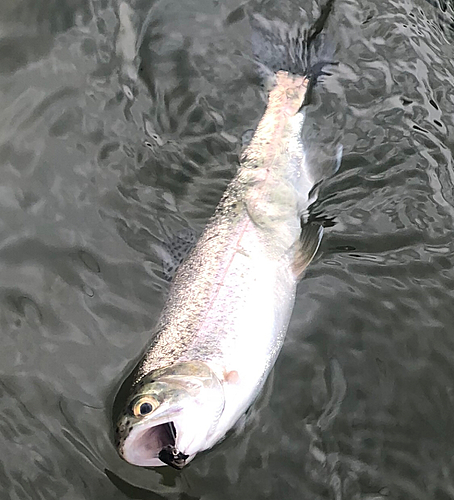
pixel 306 247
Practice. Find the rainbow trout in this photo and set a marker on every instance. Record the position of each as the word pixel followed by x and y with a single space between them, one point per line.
pixel 226 317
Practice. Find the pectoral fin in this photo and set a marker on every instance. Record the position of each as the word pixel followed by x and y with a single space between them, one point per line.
pixel 306 247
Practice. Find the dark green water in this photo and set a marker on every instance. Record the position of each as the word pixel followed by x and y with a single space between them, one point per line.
pixel 119 122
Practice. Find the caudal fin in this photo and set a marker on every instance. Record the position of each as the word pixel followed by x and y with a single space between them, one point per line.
pixel 296 49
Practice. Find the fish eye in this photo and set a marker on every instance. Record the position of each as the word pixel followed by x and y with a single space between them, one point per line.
pixel 145 406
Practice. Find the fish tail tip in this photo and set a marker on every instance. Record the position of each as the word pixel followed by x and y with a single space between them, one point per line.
pixel 299 49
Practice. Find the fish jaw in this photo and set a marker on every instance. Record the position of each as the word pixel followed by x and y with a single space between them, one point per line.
pixel 189 401
pixel 143 438
pixel 144 445
pixel 153 445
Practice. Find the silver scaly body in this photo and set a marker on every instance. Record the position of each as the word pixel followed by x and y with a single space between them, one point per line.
pixel 231 300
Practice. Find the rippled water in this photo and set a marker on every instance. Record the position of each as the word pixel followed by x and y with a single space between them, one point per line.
pixel 105 149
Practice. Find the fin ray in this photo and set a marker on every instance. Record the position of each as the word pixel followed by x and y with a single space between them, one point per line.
pixel 308 244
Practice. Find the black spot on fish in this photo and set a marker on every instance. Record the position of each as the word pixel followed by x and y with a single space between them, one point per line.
pixel 175 250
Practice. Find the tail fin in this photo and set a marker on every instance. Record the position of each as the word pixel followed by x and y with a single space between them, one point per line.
pixel 298 50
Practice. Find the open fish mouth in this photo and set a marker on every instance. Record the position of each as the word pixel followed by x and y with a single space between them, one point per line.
pixel 153 445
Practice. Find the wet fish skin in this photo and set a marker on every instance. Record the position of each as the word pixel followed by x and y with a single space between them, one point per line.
pixel 231 300
pixel 255 229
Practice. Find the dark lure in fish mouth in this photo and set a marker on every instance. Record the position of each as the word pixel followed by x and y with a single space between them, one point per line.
pixel 171 456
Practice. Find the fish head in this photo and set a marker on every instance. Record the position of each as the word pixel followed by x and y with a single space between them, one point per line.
pixel 170 415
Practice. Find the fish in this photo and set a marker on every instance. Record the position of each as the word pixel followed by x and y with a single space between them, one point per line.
pixel 230 302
